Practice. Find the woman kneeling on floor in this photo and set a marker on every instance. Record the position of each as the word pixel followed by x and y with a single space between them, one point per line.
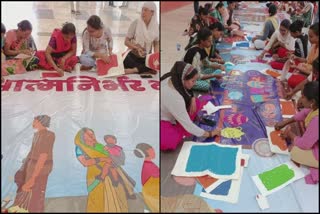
pixel 179 107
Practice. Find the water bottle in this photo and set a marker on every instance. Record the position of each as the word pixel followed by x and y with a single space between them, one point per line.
pixel 178 46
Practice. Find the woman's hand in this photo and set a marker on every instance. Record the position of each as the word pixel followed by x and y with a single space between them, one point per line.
pixel 141 52
pixel 280 125
pixel 60 71
pixel 193 106
pixel 216 132
pixel 62 63
pixel 26 51
pixel 275 56
pixel 288 95
pixel 260 57
pixel 105 58
pixel 222 68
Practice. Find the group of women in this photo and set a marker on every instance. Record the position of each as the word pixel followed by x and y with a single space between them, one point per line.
pixel 288 46
pixel 60 55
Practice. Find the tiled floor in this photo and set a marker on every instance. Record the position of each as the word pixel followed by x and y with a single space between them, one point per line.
pixel 173 23
pixel 45 16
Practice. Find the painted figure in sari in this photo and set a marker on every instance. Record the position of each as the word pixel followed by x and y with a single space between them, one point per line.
pixel 142 37
pixel 104 194
pixel 149 176
pixel 117 155
pixel 19 41
pixel 60 54
pixel 32 177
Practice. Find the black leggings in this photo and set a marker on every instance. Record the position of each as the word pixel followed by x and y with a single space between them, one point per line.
pixel 132 61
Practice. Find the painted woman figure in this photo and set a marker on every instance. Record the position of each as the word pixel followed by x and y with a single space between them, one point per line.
pixel 149 176
pixel 105 194
pixel 32 177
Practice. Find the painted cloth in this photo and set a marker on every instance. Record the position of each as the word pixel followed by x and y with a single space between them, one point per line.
pixel 151 194
pixel 109 194
pixel 34 201
pixel 60 48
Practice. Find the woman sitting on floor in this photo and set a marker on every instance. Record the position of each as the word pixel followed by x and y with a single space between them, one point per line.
pixel 97 43
pixel 305 14
pixel 270 26
pixel 217 30
pixel 232 24
pixel 314 76
pixel 305 149
pixel 20 41
pixel 179 107
pixel 60 54
pixel 301 45
pixel 198 22
pixel 281 43
pixel 304 65
pixel 197 56
pixel 142 36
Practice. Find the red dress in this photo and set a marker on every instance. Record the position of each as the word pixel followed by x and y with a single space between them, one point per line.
pixel 62 46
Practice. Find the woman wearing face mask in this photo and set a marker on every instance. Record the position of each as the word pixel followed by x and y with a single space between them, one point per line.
pixel 20 41
pixel 60 54
pixel 281 43
pixel 176 101
pixel 142 37
pixel 97 43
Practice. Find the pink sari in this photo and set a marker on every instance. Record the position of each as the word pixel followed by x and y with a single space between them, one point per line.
pixel 172 135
